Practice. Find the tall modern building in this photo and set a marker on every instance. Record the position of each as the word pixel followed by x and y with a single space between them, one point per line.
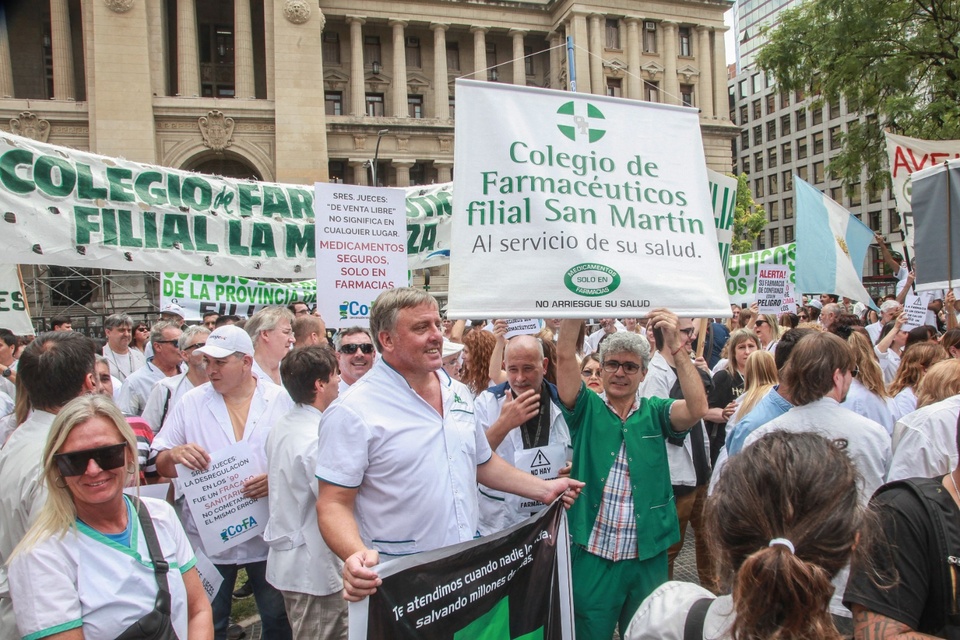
pixel 783 134
pixel 309 90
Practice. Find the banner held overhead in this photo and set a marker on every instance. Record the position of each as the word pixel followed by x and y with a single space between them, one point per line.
pixel 570 205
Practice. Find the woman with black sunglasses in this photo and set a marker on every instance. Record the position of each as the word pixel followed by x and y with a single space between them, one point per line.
pixel 97 563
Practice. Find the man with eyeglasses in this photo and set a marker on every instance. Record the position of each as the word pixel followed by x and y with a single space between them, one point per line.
pixel 167 392
pixel 819 374
pixel 165 362
pixel 355 354
pixel 524 424
pixel 123 360
pixel 271 330
pixel 626 517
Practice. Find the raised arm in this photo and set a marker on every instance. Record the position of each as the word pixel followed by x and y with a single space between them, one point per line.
pixel 568 369
pixel 684 413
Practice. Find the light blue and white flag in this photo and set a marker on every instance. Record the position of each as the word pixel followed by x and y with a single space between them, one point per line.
pixel 831 246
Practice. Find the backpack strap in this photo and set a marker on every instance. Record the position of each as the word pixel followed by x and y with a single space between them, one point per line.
pixel 696 616
pixel 160 566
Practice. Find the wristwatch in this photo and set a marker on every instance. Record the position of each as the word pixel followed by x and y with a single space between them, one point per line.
pixel 7 372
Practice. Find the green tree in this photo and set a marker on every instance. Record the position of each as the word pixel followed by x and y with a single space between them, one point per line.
pixel 749 218
pixel 897 61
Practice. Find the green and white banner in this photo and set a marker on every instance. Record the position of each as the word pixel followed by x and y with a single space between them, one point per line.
pixel 723 193
pixel 66 207
pixel 13 306
pixel 573 205
pixel 230 295
pixel 743 269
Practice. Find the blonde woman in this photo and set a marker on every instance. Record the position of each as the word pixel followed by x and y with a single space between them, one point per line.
pixel 728 384
pixel 760 375
pixel 867 395
pixel 941 381
pixel 768 330
pixel 914 362
pixel 85 569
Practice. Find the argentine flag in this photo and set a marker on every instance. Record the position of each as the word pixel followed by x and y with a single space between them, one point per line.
pixel 831 246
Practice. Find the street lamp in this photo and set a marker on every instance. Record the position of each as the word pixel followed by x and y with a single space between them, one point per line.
pixel 376 156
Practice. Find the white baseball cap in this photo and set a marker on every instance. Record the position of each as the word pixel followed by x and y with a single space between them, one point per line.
pixel 174 309
pixel 227 340
pixel 450 348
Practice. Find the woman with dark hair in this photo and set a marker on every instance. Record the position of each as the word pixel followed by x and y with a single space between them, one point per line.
pixel 141 336
pixel 785 517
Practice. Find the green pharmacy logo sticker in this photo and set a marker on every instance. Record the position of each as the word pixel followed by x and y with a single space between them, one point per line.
pixel 581 125
pixel 495 625
pixel 343 309
pixel 591 279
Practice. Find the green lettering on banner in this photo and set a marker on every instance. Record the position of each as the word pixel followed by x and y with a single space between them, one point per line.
pixel 249 198
pixel 261 242
pixel 43 176
pixel 150 230
pixel 300 240
pixel 142 185
pixel 16 301
pixel 301 203
pixel 128 237
pixel 176 231
pixel 109 220
pixel 85 187
pixel 119 190
pixel 200 235
pixel 275 202
pixel 235 239
pixel 86 222
pixel 8 170
pixel 191 186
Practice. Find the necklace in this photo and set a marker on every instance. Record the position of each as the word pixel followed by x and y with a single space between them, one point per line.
pixel 525 433
pixel 125 374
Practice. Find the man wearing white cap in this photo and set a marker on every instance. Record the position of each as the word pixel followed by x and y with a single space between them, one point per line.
pixel 452 362
pixel 172 313
pixel 236 406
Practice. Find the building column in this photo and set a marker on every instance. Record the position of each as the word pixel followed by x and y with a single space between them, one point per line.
pixel 6 63
pixel 581 54
pixel 243 86
pixel 399 69
pixel 361 172
pixel 705 84
pixel 403 171
pixel 722 111
pixel 357 90
pixel 159 58
pixel 63 84
pixel 269 46
pixel 671 87
pixel 519 62
pixel 479 52
pixel 188 59
pixel 597 85
pixel 444 171
pixel 441 92
pixel 635 79
pixel 556 56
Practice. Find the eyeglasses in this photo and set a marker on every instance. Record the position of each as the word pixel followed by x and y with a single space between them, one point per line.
pixel 195 345
pixel 855 372
pixel 350 349
pixel 589 373
pixel 611 366
pixel 75 463
pixel 143 328
pixel 760 323
pixel 166 342
pixel 688 332
pixel 803 316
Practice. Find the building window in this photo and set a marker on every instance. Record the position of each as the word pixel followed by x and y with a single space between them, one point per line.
pixel 450 104
pixel 784 99
pixel 686 95
pixel 785 125
pixel 801 120
pixel 493 74
pixel 774 237
pixel 803 172
pixel 771 157
pixel 758 134
pixel 613 33
pixel 333 103
pixel 818 175
pixel 528 61
pixel 836 194
pixel 773 211
pixel 745 141
pixel 873 195
pixel 375 105
pixel 371 50
pixel 787 177
pixel 453 56
pixel 337 169
pixel 649 37
pixel 418 174
pixel 788 233
pixel 835 135
pixel 651 91
pixel 801 149
pixel 744 114
pixel 893 220
pixel 331 47
pixel 615 87
pixel 756 110
pixel 757 79
pixel 771 102
pixel 817 115
pixel 415 106
pixel 818 143
pixel 874 220
pixel 216 61
pixel 798 95
pixel 788 208
pixel 834 108
pixel 856 195
pixel 786 150
pixel 771 130
pixel 685 51
pixel 413 52
pixel 772 186
pixel 758 188
pixel 758 161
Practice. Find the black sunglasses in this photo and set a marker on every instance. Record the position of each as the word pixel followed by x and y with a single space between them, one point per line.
pixel 351 349
pixel 75 463
pixel 195 345
pixel 760 323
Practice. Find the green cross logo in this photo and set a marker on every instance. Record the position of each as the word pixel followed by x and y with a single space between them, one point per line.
pixel 494 625
pixel 581 124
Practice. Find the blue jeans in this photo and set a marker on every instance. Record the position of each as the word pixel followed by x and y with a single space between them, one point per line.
pixel 273 615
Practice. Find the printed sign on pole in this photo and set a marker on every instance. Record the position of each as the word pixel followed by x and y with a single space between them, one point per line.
pixel 361 249
pixel 522 327
pixel 915 306
pixel 743 268
pixel 772 286
pixel 574 205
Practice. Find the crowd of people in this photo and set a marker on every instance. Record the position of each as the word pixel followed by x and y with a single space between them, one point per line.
pixel 813 454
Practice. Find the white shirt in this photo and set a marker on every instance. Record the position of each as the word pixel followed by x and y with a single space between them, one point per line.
pixel 925 443
pixel 592 343
pixel 6 385
pixel 292 531
pixel 6 407
pixel 657 384
pixel 201 417
pixel 495 512
pixel 873 330
pixel 864 402
pixel 86 580
pixel 174 388
pixel 889 363
pixel 903 403
pixel 663 614
pixel 136 390
pixel 122 365
pixel 868 446
pixel 20 500
pixel 415 471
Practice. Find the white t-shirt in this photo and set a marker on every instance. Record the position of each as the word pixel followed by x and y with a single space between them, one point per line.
pixel 924 442
pixel 862 401
pixel 903 403
pixel 86 580
pixel 165 394
pixel 663 614
pixel 136 389
pixel 122 365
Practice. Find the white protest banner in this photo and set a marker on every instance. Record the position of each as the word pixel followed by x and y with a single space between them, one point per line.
pixel 723 192
pixel 13 306
pixel 360 249
pixel 906 156
pixel 522 327
pixel 772 285
pixel 210 577
pixel 743 268
pixel 428 225
pixel 224 517
pixel 574 205
pixel 230 295
pixel 915 306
